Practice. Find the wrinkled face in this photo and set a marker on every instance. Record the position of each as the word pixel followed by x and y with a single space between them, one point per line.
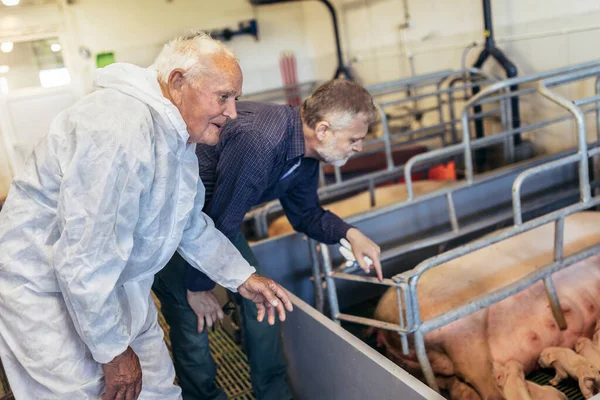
pixel 209 102
pixel 338 146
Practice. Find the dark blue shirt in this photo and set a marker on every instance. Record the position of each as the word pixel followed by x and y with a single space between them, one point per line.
pixel 259 158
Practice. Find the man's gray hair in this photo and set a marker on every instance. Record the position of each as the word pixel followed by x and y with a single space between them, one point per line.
pixel 190 53
pixel 338 102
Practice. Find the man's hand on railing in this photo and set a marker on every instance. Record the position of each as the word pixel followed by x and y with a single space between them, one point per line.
pixel 359 249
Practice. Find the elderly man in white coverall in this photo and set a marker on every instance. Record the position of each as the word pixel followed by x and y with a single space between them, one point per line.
pixel 103 203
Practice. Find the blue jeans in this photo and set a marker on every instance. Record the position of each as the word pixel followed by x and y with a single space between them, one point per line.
pixel 194 365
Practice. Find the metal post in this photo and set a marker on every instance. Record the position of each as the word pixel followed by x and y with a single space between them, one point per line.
pixel 334 307
pixel 424 360
pixel 467 146
pixel 321 175
pixel 598 110
pixel 401 319
pixel 372 192
pixel 584 179
pixel 559 316
pixel 386 137
pixel 338 174
pixel 441 112
pixel 451 109
pixel 316 271
pixel 452 212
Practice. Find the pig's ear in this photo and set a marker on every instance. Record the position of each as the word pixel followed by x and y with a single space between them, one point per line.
pixel 499 373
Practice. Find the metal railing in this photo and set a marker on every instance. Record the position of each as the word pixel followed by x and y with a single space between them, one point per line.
pixel 390 140
pixel 369 181
pixel 406 282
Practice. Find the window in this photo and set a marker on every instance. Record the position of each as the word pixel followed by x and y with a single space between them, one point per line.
pixel 54 77
pixel 33 64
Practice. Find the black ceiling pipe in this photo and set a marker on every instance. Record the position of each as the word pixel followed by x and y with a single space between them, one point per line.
pixel 490 49
pixel 341 70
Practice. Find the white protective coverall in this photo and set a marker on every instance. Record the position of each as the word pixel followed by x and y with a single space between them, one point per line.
pixel 106 199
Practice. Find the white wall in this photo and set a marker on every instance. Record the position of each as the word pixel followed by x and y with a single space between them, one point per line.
pixel 536 34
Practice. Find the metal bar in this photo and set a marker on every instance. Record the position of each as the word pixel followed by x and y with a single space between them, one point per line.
pixel 516 191
pixel 490 240
pixel 466 143
pixel 440 153
pixel 411 113
pixel 594 152
pixel 402 321
pixel 370 322
pixel 356 183
pixel 426 95
pixel 485 301
pixel 419 341
pixel 452 212
pixel 321 176
pixel 557 311
pixel 462 185
pixel 561 79
pixel 507 140
pixel 584 179
pixel 334 306
pixel 586 101
pixel 510 82
pixel 374 88
pixel 482 142
pixel 598 110
pixel 480 115
pixel 338 174
pixel 452 111
pixel 489 140
pixel 316 271
pixel 559 229
pixel 364 279
pixel 504 96
pixel 387 88
pixel 386 139
pixel 464 230
pixel 372 192
pixel 407 305
pixel 440 109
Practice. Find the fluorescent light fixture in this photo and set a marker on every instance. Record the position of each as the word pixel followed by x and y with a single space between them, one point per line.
pixel 10 2
pixel 55 77
pixel 4 69
pixel 55 47
pixel 7 47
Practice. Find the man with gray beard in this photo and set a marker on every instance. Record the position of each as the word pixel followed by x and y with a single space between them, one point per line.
pixel 269 152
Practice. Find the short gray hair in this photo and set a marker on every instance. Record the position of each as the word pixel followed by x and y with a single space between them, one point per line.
pixel 189 52
pixel 339 102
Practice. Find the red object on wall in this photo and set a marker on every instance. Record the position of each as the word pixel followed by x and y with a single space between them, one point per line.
pixel 289 76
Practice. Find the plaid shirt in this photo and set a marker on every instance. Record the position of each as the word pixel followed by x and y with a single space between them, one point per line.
pixel 260 157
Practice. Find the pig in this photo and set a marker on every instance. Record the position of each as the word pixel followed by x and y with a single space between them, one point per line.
pixel 516 328
pixel 457 389
pixel 545 392
pixel 568 363
pixel 586 348
pixel 361 202
pixel 511 379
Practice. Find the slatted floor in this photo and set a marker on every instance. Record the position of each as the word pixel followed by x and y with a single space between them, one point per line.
pixel 569 386
pixel 233 373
